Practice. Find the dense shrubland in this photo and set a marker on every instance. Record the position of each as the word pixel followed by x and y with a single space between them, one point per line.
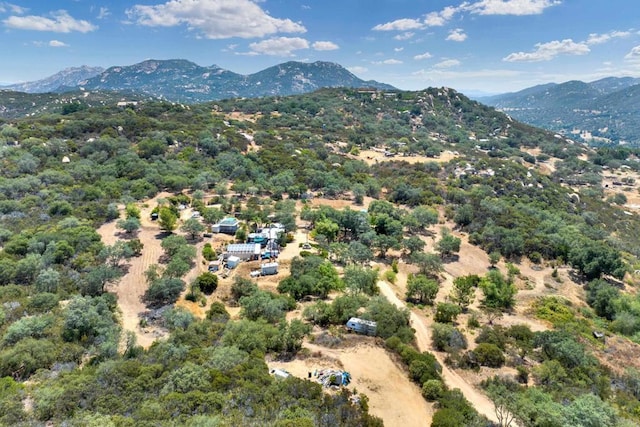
pixel 56 317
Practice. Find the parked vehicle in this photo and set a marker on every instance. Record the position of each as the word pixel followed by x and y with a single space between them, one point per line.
pixel 361 326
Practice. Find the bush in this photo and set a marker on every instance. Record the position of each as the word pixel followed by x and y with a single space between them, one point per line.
pixel 490 355
pixel 447 312
pixel 495 335
pixel 208 252
pixel 207 282
pixel 390 276
pixel 432 390
pixel 447 338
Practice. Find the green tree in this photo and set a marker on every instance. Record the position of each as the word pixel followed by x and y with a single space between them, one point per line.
pixel 488 354
pixel 129 225
pixel 390 319
pixel 464 290
pixel 132 211
pixel 98 277
pixel 163 291
pixel 167 219
pixel 448 244
pixel 327 228
pixel 207 282
pixel 446 312
pixel 48 280
pixel 212 215
pixel 603 298
pixel 361 280
pixel 172 245
pixel 494 258
pixel 589 410
pixel 429 264
pixel 136 246
pixel 421 218
pixel 421 289
pixel 413 244
pixel 208 253
pixel 192 227
pixel 113 255
pixel 263 305
pixel 498 292
pixel 593 259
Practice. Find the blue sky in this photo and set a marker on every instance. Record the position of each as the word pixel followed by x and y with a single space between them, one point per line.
pixel 474 46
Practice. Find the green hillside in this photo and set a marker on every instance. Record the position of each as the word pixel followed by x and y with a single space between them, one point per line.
pixel 519 193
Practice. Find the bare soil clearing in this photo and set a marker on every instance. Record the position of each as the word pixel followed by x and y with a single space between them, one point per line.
pixel 392 396
pixel 371 157
pixel 133 285
pixel 423 339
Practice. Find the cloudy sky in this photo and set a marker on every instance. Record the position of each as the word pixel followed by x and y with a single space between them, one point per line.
pixel 474 46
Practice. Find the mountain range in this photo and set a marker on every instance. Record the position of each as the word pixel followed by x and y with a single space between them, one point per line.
pixel 599 112
pixel 184 81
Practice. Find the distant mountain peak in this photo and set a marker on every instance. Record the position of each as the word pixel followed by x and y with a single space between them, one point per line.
pixel 185 81
pixel 69 77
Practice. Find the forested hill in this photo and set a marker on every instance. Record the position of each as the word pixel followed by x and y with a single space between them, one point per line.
pixel 600 112
pixel 427 164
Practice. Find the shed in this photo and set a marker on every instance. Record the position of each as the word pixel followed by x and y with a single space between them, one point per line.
pixel 280 373
pixel 244 251
pixel 362 326
pixel 233 261
pixel 269 268
pixel 214 266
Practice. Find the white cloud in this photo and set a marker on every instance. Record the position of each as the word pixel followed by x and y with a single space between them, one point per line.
pixel 633 55
pixel 60 22
pixel 388 62
pixel 13 8
pixel 404 36
pixel 422 56
pixel 218 19
pixel 400 25
pixel 325 46
pixel 398 49
pixel 357 69
pixel 603 38
pixel 279 46
pixel 511 7
pixel 103 13
pixel 457 35
pixel 57 43
pixel 447 63
pixel 548 51
pixel 482 7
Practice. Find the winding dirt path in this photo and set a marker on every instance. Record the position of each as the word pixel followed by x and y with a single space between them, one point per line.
pixel 423 338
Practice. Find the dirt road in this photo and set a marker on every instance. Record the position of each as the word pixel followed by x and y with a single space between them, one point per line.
pixel 133 285
pixel 423 338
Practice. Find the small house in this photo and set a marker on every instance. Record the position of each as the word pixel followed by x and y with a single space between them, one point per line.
pixel 361 326
pixel 244 251
pixel 269 268
pixel 214 266
pixel 228 225
pixel 233 261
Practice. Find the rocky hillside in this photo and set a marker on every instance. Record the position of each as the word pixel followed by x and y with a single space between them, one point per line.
pixel 183 81
pixel 599 112
pixel 69 77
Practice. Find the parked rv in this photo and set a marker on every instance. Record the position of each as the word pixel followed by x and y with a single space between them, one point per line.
pixel 362 326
